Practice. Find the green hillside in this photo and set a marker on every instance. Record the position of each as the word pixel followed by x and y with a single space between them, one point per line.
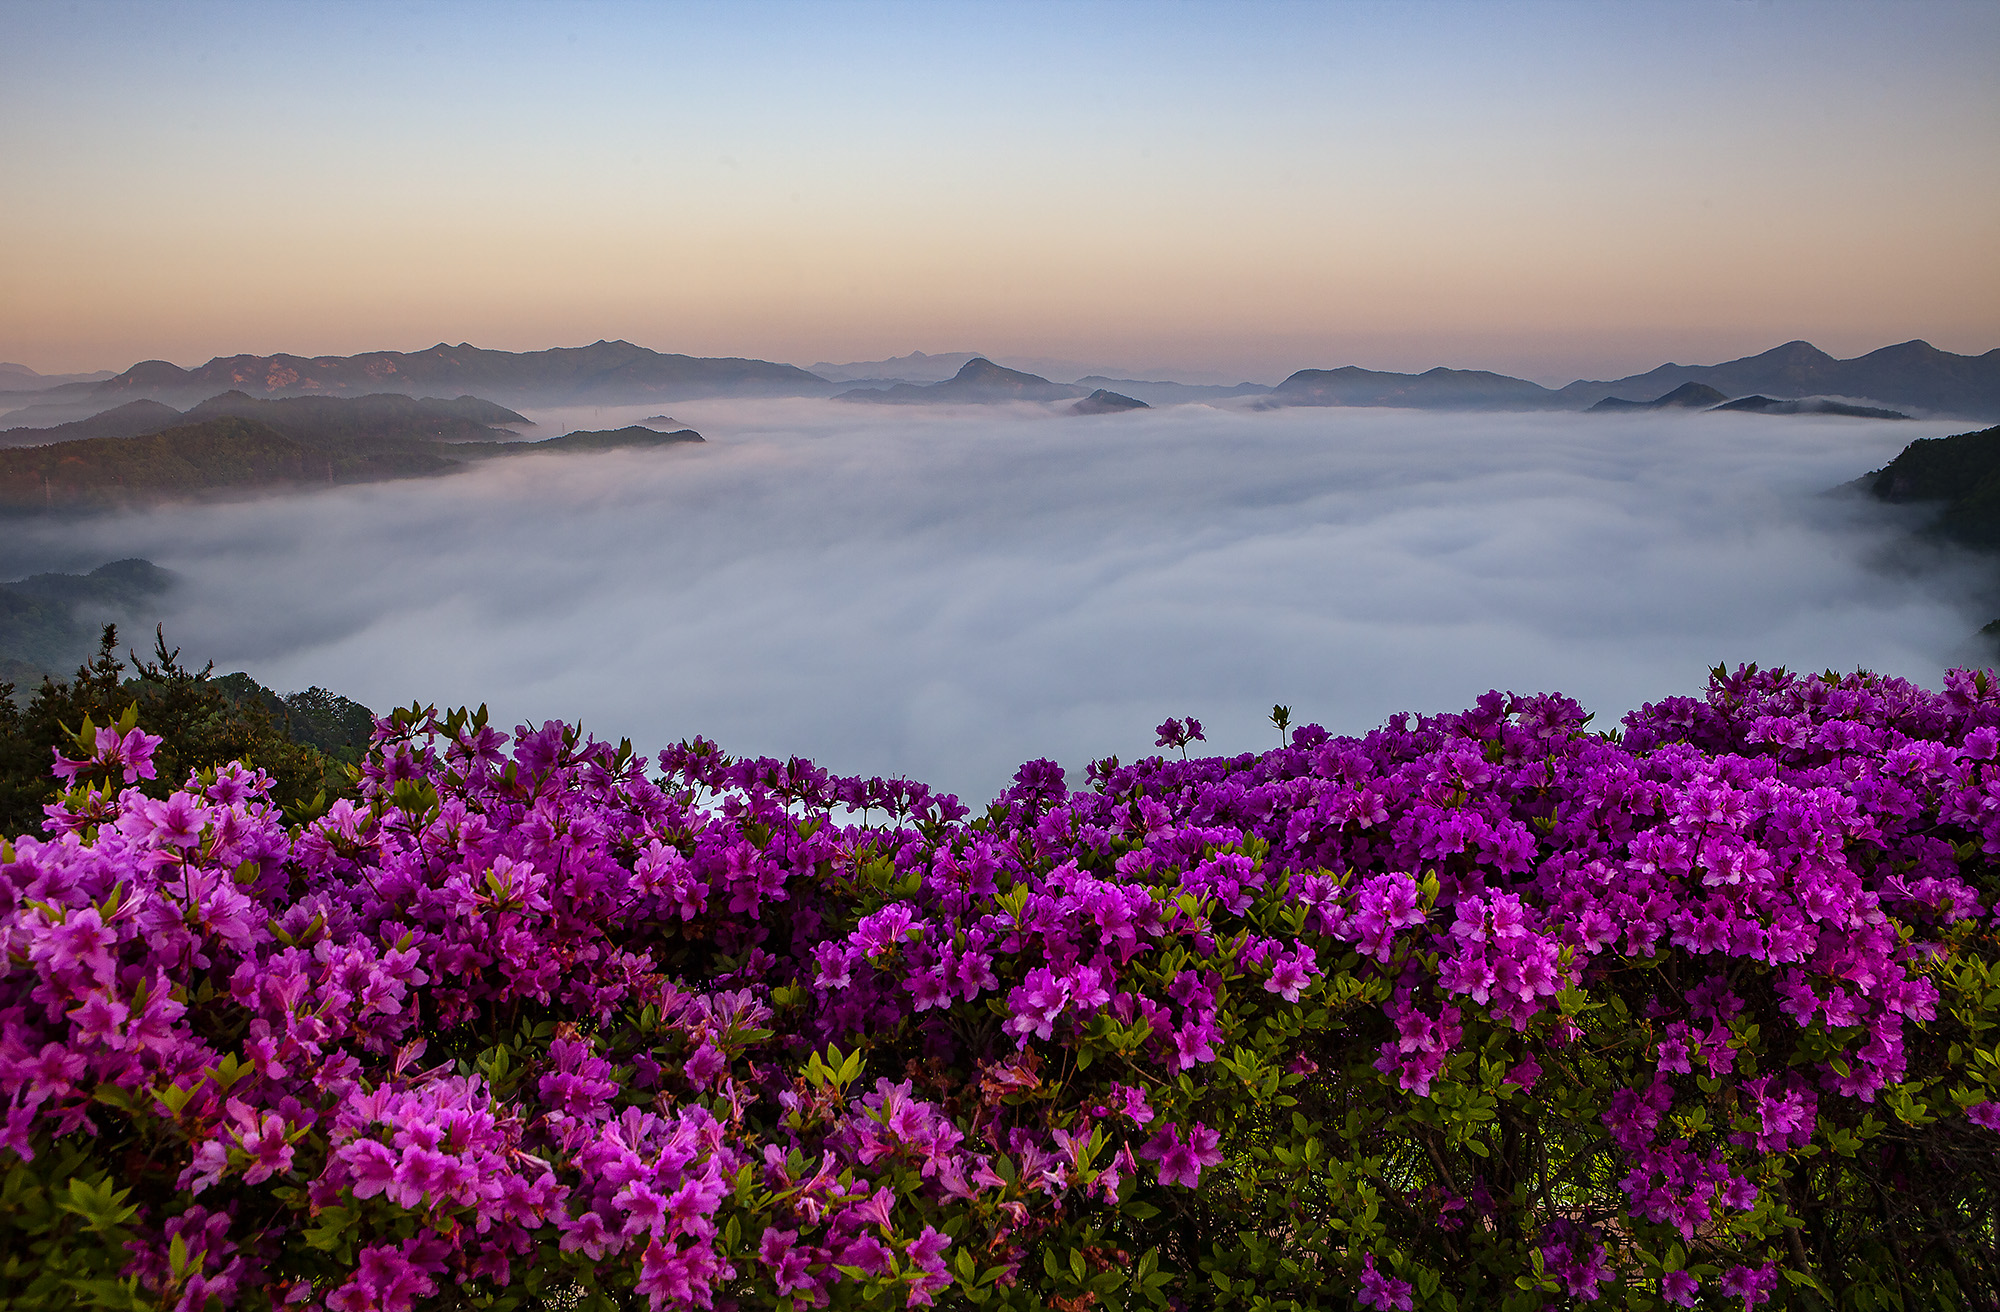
pixel 50 622
pixel 305 740
pixel 235 443
pixel 215 455
pixel 1960 474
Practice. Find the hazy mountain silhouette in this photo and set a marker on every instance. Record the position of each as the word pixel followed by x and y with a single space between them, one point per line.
pixel 20 378
pixel 605 373
pixel 1807 405
pixel 48 621
pixel 311 419
pixel 1914 374
pixel 133 419
pixel 1166 392
pixel 916 367
pixel 1688 396
pixel 1435 389
pixel 631 436
pixel 979 381
pixel 1102 402
pixel 384 415
pixel 234 444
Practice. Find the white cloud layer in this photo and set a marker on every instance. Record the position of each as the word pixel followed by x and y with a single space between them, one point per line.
pixel 943 595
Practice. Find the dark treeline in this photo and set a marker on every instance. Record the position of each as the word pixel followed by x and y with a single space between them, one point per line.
pixel 306 741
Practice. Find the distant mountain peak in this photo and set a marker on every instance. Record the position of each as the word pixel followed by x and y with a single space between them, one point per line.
pixel 978 381
pixel 1688 396
pixel 981 370
pixel 1796 351
pixel 153 373
pixel 1911 374
pixel 603 372
pixel 1102 402
pixel 916 367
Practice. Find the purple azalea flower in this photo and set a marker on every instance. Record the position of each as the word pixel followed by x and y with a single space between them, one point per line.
pixel 1382 1292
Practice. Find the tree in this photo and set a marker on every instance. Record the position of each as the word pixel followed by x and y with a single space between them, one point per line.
pixel 203 721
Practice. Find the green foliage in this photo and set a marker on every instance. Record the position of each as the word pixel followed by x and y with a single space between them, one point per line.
pixel 204 721
pixel 67 1223
pixel 40 627
pixel 1961 473
pixel 212 456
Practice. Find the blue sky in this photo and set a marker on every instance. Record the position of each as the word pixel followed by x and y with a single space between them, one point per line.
pixel 1551 189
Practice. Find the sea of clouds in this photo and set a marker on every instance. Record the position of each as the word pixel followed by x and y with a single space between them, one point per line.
pixel 942 594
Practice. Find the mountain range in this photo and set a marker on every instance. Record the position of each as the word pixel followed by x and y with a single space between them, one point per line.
pixel 1914 374
pixel 308 418
pixel 605 373
pixel 20 378
pixel 1911 376
pixel 978 382
pixel 916 367
pixel 1166 392
pixel 1700 396
pixel 1434 389
pixel 145 451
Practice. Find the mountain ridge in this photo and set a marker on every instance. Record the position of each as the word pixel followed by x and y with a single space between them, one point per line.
pixel 1439 388
pixel 978 382
pixel 388 415
pixel 234 443
pixel 1911 374
pixel 605 372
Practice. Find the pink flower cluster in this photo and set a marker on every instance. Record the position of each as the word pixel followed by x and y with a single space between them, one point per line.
pixel 571 1011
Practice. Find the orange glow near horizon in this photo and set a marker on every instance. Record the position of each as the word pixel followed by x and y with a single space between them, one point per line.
pixel 1527 217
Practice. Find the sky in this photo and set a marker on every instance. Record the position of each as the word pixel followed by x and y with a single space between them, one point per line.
pixel 943 594
pixel 1203 191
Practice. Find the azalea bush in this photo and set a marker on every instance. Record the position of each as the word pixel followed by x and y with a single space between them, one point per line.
pixel 1484 1010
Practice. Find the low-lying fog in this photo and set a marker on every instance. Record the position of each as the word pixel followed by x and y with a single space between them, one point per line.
pixel 944 594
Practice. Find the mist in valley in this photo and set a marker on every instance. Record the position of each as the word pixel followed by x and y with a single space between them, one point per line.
pixel 942 594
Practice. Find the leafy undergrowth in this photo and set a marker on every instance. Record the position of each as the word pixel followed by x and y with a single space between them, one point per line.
pixel 1481 1010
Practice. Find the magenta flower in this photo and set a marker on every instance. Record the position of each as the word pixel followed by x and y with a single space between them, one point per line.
pixel 1753 1284
pixel 1130 1102
pixel 131 753
pixel 385 1281
pixel 705 1066
pixel 1382 1292
pixel 790 1267
pixel 1291 975
pixel 641 959
pixel 928 1273
pixel 1181 1160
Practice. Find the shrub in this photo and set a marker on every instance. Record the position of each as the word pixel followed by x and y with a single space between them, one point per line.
pixel 1480 1010
pixel 303 741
